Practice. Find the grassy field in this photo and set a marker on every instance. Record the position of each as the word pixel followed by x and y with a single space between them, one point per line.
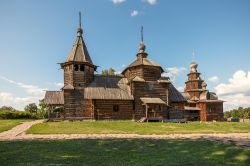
pixel 115 127
pixel 10 123
pixel 122 152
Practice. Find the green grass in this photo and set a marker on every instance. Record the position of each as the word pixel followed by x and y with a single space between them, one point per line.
pixel 115 127
pixel 8 124
pixel 123 152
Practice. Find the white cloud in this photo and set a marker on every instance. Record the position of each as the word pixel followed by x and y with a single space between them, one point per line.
pixel 134 13
pixel 236 92
pixel 59 84
pixel 8 99
pixel 31 89
pixel 238 83
pixel 118 72
pixel 235 101
pixel 118 1
pixel 180 89
pixel 152 2
pixel 176 70
pixel 213 79
pixel 173 72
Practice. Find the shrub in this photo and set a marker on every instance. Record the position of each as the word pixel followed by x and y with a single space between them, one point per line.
pixel 59 109
pixel 8 114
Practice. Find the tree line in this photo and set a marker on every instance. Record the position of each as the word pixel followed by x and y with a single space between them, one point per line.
pixel 243 113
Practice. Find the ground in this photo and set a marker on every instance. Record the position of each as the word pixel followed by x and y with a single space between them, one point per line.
pixel 8 124
pixel 20 148
pixel 122 152
pixel 124 127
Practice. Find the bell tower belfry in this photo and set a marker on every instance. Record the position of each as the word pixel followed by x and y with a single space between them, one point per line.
pixel 78 73
pixel 78 67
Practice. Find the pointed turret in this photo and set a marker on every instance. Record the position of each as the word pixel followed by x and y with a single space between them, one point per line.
pixel 142 66
pixel 78 68
pixel 79 52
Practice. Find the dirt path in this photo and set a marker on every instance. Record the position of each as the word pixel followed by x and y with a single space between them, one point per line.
pixel 17 130
pixel 18 133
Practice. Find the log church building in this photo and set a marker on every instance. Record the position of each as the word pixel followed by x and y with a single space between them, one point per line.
pixel 140 92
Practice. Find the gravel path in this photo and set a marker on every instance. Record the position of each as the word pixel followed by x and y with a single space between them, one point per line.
pixel 18 133
pixel 18 130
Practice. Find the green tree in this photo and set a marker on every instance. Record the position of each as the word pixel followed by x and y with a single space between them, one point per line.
pixel 42 109
pixel 7 108
pixel 31 108
pixel 108 72
pixel 227 114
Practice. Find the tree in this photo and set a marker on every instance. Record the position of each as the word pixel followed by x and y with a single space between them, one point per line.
pixel 227 114
pixel 31 108
pixel 7 108
pixel 42 109
pixel 238 113
pixel 108 72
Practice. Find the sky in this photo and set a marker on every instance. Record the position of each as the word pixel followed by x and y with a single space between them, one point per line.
pixel 36 35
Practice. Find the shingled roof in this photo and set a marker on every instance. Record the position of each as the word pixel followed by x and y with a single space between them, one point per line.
pixel 108 87
pixel 142 61
pixel 54 98
pixel 175 95
pixel 79 52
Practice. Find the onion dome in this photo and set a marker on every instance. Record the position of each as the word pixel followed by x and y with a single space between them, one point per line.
pixel 193 66
pixel 204 85
pixel 142 47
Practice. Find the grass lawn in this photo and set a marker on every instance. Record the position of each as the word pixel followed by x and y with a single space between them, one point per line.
pixel 122 152
pixel 10 123
pixel 115 127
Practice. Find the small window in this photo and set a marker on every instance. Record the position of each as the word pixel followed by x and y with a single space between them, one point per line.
pixel 82 68
pixel 76 67
pixel 115 108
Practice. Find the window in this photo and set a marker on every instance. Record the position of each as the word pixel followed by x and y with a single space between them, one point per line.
pixel 76 67
pixel 115 108
pixel 82 68
pixel 149 86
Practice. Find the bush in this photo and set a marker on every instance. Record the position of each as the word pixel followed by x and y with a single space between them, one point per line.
pixel 59 109
pixel 238 113
pixel 8 114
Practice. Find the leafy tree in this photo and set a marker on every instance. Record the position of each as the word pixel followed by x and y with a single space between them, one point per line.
pixel 31 108
pixel 238 113
pixel 7 108
pixel 42 109
pixel 59 109
pixel 108 72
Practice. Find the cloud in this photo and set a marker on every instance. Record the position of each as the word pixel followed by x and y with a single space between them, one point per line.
pixel 134 13
pixel 235 101
pixel 213 79
pixel 117 72
pixel 31 89
pixel 173 72
pixel 118 1
pixel 59 84
pixel 152 2
pixel 238 83
pixel 180 89
pixel 8 99
pixel 236 92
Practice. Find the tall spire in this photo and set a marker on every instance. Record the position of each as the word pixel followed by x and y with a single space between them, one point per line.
pixel 141 34
pixel 142 46
pixel 79 29
pixel 80 20
pixel 79 52
pixel 193 55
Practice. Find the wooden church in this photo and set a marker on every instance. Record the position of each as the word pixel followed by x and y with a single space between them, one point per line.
pixel 138 93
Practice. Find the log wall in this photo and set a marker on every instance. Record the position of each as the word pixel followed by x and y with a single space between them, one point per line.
pixel 104 109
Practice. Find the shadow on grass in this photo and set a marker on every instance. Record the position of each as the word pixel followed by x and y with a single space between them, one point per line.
pixel 122 152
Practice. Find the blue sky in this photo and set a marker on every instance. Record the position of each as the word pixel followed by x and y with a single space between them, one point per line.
pixel 35 35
